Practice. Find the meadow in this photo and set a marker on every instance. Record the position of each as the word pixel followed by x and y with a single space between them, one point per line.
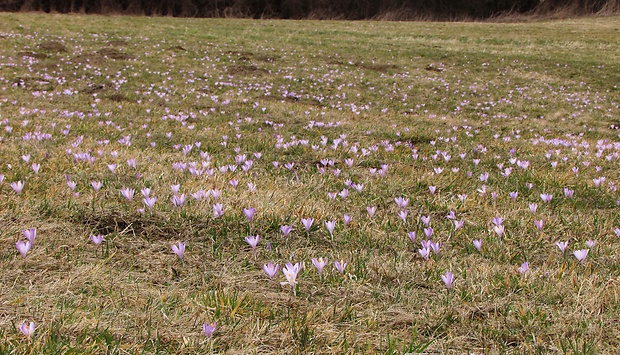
pixel 182 186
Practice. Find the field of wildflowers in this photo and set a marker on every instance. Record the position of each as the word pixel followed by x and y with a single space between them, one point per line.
pixel 232 186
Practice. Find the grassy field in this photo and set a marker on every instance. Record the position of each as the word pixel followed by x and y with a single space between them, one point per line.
pixel 407 151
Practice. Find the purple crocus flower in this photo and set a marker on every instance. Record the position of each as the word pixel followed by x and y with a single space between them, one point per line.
pixel 546 197
pixel 97 185
pixel 97 239
pixel 249 213
pixel 209 329
pixel 581 254
pixel 271 269
pixel 27 329
pixel 128 193
pixel 290 271
pixel 340 265
pixel 307 222
pixel 286 230
pixel 424 252
pixel 149 202
pixel 179 250
pixel 218 210
pixel 319 264
pixel 252 241
pixel 412 236
pixel 17 187
pixel 447 279
pixel 30 234
pixel 562 246
pixel 539 224
pixel 499 230
pixel 330 225
pixel 525 267
pixel 478 244
pixel 23 247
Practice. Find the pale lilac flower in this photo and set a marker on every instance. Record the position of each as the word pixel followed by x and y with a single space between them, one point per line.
pixel 533 207
pixel 36 167
pixel 617 231
pixel 403 215
pixel 218 210
pixel 499 230
pixel 27 329
pixel 128 193
pixel 458 224
pixel 497 221
pixel 179 250
pixel 72 185
pixel 412 236
pixel 112 167
pixel 478 244
pixel 178 200
pixel 209 329
pixel 347 219
pixel 447 279
pixel 401 202
pixel 307 222
pixel 340 265
pixel 271 269
pixel 562 246
pixel 426 220
pixel 424 252
pixel 17 187
pixel 514 194
pixel 546 197
pixel 97 185
pixel 290 271
pixel 286 230
pixel 539 224
pixel 428 232
pixel 30 234
pixel 590 243
pixel 525 267
pixel 249 213
pixel 568 193
pixel 149 202
pixel 146 192
pixel 23 247
pixel 371 211
pixel 432 189
pixel 252 241
pixel 330 225
pixel 319 264
pixel 96 239
pixel 435 246
pixel 581 254
pixel 175 188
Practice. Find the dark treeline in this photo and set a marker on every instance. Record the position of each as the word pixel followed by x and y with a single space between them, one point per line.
pixel 323 9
